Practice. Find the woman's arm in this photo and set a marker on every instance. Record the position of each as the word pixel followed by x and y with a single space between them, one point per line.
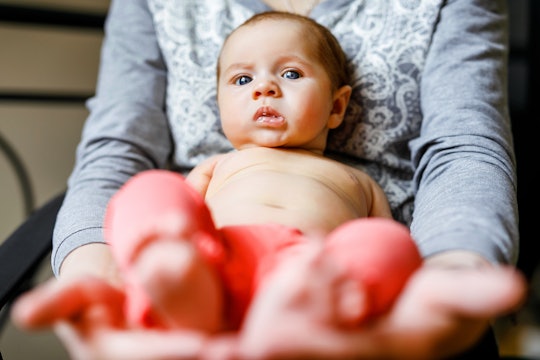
pixel 126 132
pixel 464 158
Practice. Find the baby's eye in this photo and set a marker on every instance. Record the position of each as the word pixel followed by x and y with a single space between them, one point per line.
pixel 242 80
pixel 291 74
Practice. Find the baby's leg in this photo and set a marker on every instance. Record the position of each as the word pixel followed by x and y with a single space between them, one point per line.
pixel 322 288
pixel 252 253
pixel 155 225
pixel 378 255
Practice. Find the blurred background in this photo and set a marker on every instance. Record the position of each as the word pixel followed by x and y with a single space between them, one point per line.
pixel 48 65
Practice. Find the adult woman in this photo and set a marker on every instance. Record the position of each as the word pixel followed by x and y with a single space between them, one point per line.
pixel 427 119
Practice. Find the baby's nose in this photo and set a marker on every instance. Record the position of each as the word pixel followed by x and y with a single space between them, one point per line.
pixel 266 87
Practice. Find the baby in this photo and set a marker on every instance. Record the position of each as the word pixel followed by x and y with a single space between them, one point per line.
pixel 195 251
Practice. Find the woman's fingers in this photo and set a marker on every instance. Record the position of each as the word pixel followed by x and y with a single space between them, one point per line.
pixel 58 300
pixel 476 293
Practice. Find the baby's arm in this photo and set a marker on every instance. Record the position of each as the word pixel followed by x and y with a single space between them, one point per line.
pixel 380 206
pixel 200 176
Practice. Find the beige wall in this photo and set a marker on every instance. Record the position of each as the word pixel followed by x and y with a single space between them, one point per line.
pixel 85 5
pixel 41 59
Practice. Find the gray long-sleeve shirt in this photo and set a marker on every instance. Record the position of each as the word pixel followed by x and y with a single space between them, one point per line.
pixel 428 117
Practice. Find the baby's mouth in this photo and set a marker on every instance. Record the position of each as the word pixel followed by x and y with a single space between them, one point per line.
pixel 267 116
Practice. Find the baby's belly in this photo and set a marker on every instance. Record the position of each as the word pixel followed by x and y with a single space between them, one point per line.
pixel 308 207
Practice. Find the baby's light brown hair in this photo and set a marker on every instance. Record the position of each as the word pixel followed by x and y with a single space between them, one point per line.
pixel 326 48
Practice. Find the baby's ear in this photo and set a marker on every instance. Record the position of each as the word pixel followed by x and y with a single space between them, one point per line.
pixel 341 100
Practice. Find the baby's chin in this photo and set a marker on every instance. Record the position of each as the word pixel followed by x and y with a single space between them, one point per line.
pixel 275 141
pixel 266 143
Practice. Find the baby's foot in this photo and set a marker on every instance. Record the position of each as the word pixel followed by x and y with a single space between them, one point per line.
pixel 307 293
pixel 378 255
pixel 171 285
pixel 182 290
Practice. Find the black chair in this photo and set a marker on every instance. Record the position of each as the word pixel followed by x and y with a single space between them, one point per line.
pixel 524 80
pixel 24 250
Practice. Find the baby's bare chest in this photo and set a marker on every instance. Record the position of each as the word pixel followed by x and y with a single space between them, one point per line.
pixel 273 171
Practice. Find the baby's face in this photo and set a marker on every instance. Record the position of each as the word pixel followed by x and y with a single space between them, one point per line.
pixel 271 91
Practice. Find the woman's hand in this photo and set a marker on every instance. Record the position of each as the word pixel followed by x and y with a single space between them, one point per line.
pixel 444 309
pixel 85 308
pixel 87 315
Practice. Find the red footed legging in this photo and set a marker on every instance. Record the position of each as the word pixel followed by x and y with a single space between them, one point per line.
pixel 378 253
